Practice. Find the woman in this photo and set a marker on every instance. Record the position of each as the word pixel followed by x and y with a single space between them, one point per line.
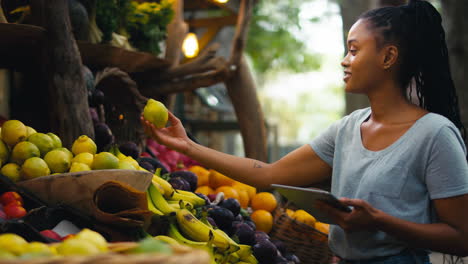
pixel 401 166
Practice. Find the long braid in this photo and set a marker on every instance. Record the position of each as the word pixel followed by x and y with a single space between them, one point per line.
pixel 417 30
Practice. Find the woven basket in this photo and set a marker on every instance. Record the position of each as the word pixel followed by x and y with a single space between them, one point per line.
pixel 182 254
pixel 307 243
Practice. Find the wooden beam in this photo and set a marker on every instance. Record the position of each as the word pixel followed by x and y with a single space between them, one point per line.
pixel 209 35
pixel 230 20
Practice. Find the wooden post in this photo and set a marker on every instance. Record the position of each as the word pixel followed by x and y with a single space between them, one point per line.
pixel 69 112
pixel 2 15
pixel 241 90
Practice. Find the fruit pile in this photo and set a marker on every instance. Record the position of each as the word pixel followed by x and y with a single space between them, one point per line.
pixel 306 218
pixel 84 243
pixel 26 154
pixel 11 206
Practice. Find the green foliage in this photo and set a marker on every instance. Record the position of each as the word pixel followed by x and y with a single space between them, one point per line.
pixel 107 18
pixel 271 45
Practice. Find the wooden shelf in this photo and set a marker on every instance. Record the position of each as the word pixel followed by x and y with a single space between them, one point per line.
pixel 99 56
pixel 20 45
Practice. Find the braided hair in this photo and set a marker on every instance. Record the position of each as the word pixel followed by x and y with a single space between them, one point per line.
pixel 416 29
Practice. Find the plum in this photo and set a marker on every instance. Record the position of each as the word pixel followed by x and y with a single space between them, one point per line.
pixel 147 166
pixel 155 162
pixel 130 148
pixel 232 204
pixel 280 260
pixel 222 217
pixel 265 251
pixel 291 258
pixel 204 197
pixel 179 183
pixel 260 236
pixel 103 136
pixel 279 245
pixel 97 98
pixel 245 234
pixel 251 224
pixel 189 176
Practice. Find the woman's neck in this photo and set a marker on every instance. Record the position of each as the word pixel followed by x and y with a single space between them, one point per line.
pixel 389 105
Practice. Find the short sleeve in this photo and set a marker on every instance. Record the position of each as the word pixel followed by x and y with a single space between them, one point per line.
pixel 447 169
pixel 324 144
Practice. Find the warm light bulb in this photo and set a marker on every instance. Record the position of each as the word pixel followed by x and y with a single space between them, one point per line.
pixel 222 1
pixel 190 45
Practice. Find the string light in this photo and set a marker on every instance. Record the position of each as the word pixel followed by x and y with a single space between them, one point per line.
pixel 222 1
pixel 190 46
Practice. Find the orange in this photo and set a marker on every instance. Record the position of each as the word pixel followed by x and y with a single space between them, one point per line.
pixel 322 227
pixel 290 213
pixel 202 174
pixel 263 220
pixel 265 201
pixel 206 190
pixel 217 179
pixel 251 191
pixel 304 217
pixel 243 198
pixel 228 191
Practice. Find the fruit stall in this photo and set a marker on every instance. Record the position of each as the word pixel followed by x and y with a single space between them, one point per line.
pixel 80 182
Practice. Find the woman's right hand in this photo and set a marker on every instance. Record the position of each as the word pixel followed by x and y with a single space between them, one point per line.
pixel 173 136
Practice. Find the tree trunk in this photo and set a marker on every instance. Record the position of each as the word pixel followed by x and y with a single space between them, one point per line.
pixel 350 11
pixel 241 90
pixel 68 110
pixel 456 27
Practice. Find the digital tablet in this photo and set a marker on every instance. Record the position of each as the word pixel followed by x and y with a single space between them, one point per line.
pixel 305 198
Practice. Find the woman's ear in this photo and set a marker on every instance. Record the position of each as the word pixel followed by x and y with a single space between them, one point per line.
pixel 390 56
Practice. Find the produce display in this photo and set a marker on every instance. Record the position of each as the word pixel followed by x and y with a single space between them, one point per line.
pixel 192 206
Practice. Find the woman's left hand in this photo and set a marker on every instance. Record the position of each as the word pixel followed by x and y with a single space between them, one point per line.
pixel 363 215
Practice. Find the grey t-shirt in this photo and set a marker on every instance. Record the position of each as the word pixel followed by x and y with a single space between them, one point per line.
pixel 428 162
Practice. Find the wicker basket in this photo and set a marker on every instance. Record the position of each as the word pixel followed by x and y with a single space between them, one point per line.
pixel 182 254
pixel 307 243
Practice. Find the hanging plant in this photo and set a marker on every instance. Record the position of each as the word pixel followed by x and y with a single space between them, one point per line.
pixel 146 24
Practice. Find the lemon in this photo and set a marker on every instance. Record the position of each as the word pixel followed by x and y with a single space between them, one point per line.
pixel 12 243
pixel 30 131
pixel 125 165
pixel 156 113
pixel 93 237
pixel 58 161
pixel 84 144
pixel 13 131
pixel 77 166
pixel 12 171
pixel 43 142
pixel 4 153
pixel 105 161
pixel 23 151
pixel 85 158
pixel 66 151
pixel 33 168
pixel 75 246
pixel 37 248
pixel 4 255
pixel 57 142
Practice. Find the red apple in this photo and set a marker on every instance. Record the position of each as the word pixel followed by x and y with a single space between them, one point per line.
pixel 50 234
pixel 14 211
pixel 14 202
pixel 8 197
pixel 3 215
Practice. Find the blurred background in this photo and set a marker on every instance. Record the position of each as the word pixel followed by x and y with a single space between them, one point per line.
pixel 294 49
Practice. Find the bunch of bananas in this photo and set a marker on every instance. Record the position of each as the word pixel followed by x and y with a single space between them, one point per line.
pixel 185 228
